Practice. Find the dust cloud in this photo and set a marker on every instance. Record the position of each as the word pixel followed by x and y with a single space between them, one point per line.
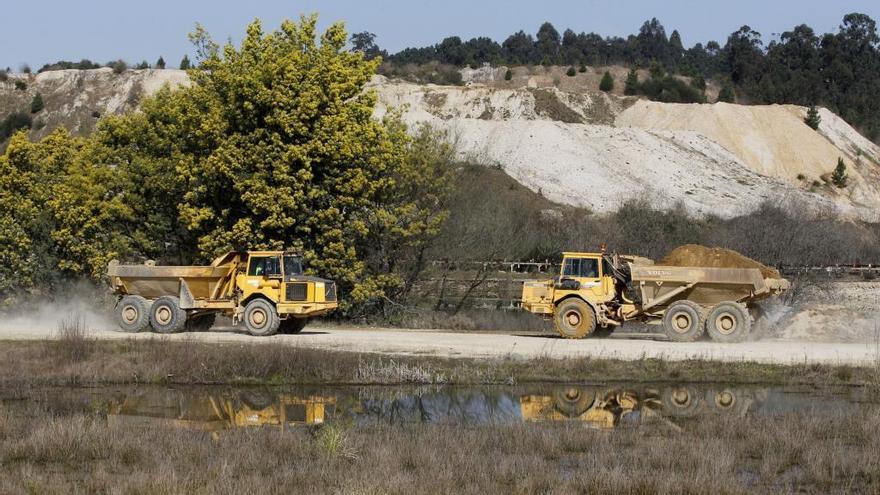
pixel 85 304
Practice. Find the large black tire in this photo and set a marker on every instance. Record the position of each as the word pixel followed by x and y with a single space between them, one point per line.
pixel 683 321
pixel 133 314
pixel 260 318
pixel 728 322
pixel 573 401
pixel 166 315
pixel 574 319
pixel 293 325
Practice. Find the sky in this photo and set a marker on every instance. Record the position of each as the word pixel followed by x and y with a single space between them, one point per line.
pixel 102 30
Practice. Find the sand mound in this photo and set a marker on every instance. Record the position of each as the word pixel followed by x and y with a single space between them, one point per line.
pixel 696 255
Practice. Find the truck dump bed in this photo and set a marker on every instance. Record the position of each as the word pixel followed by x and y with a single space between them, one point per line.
pixel 658 284
pixel 156 281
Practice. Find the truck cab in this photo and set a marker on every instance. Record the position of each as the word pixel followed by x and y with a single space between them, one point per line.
pixel 581 298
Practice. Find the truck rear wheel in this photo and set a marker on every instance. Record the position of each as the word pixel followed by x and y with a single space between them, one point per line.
pixel 293 325
pixel 575 319
pixel 166 315
pixel 683 322
pixel 260 318
pixel 728 322
pixel 133 314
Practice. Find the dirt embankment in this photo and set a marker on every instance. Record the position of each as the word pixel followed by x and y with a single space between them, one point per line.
pixel 705 257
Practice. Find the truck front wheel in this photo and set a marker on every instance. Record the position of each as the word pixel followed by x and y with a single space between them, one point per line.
pixel 166 315
pixel 260 318
pixel 575 319
pixel 683 322
pixel 728 322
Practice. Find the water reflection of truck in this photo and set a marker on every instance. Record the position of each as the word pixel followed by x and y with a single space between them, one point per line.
pixel 609 408
pixel 220 411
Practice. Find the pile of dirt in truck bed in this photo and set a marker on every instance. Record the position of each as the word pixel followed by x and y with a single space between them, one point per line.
pixel 696 255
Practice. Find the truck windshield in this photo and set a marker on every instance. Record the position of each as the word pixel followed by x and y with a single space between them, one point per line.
pixel 581 267
pixel 292 266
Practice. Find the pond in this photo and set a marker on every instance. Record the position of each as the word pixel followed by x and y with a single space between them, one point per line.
pixel 213 408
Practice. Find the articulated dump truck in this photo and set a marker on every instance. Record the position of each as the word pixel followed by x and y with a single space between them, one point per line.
pixel 265 290
pixel 597 292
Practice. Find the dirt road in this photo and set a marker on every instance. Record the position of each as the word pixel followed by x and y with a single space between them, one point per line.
pixel 519 346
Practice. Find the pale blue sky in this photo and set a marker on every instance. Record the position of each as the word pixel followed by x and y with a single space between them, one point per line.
pixel 102 30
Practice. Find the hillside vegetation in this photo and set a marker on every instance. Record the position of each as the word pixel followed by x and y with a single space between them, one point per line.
pixel 802 67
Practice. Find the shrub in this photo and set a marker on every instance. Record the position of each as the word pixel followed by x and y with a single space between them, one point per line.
pixel 813 119
pixel 632 83
pixel 20 85
pixel 583 68
pixel 839 176
pixel 508 75
pixel 801 176
pixel 25 69
pixel 571 71
pixel 118 66
pixel 37 103
pixel 143 65
pixel 83 64
pixel 3 76
pixel 607 83
pixel 726 95
pixel 13 123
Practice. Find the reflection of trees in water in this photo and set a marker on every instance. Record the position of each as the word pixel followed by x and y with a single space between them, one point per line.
pixel 459 406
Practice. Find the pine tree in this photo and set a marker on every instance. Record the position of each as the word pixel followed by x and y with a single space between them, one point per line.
pixel 37 103
pixel 607 83
pixel 583 68
pixel 839 176
pixel 160 64
pixel 508 75
pixel 632 83
pixel 143 65
pixel 571 71
pixel 185 63
pixel 813 119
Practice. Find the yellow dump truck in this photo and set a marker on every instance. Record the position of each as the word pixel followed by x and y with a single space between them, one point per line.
pixel 265 290
pixel 597 292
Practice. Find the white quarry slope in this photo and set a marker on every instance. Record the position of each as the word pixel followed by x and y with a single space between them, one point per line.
pixel 578 148
pixel 75 99
pixel 720 159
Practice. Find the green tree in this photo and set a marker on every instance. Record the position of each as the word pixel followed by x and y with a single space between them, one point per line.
pixel 839 177
pixel 726 94
pixel 607 83
pixel 160 64
pixel 813 119
pixel 297 161
pixel 185 63
pixel 632 83
pixel 508 75
pixel 571 72
pixel 582 68
pixel 143 65
pixel 37 103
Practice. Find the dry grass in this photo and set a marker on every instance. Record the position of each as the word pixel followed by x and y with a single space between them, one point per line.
pixel 720 454
pixel 25 364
